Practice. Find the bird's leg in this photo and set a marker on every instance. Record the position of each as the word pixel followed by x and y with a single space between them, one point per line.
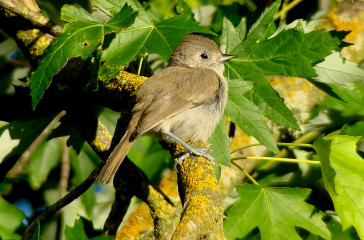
pixel 180 159
pixel 189 148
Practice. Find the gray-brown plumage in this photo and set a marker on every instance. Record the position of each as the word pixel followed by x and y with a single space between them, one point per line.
pixel 187 98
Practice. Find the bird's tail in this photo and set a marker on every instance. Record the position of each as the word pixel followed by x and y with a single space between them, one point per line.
pixel 116 158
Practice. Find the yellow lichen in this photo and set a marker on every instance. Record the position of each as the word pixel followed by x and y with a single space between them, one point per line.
pixel 126 81
pixel 28 36
pixel 348 16
pixel 139 222
pixel 40 45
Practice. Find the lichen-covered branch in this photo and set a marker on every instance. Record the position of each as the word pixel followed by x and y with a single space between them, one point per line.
pixel 23 21
pixel 28 9
pixel 202 216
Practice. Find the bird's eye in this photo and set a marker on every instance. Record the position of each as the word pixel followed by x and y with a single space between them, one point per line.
pixel 204 56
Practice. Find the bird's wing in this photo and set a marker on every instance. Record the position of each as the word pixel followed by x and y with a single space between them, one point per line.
pixel 172 91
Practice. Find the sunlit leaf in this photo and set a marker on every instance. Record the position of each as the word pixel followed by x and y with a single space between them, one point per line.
pixel 275 211
pixel 343 171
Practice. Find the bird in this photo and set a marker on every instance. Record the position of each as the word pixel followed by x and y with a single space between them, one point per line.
pixel 184 101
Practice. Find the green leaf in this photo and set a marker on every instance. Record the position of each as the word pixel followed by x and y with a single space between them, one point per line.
pixel 247 115
pixel 353 93
pixel 149 155
pixel 121 20
pixel 342 79
pixel 262 94
pixel 338 71
pixel 343 171
pixel 82 165
pixel 183 8
pixel 20 134
pixel 148 34
pixel 10 220
pixel 299 25
pixel 43 160
pixel 335 228
pixel 275 211
pixel 108 72
pixel 81 37
pixel 260 28
pixel 220 143
pixel 269 101
pixel 232 37
pixel 7 144
pixel 290 52
pixel 77 232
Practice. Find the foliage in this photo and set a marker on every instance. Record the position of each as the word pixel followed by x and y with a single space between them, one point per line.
pixel 280 210
pixel 116 33
pixel 342 170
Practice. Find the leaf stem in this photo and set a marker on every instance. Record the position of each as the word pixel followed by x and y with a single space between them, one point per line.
pixel 285 9
pixel 140 65
pixel 293 160
pixel 278 144
pixel 246 173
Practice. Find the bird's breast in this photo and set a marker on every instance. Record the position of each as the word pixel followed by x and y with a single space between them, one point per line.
pixel 199 122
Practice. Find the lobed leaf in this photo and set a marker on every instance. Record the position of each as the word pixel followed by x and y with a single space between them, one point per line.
pixel 338 71
pixel 81 37
pixel 291 51
pixel 232 37
pixel 275 211
pixel 149 34
pixel 247 115
pixel 343 171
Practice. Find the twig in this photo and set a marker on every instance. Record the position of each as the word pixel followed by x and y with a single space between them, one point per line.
pixel 27 9
pixel 65 169
pixel 68 198
pixel 63 183
pixel 286 8
pixel 24 159
pixel 246 173
pixel 140 65
pixel 278 144
pixel 292 160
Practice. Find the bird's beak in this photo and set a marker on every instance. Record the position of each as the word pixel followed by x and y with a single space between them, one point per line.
pixel 225 57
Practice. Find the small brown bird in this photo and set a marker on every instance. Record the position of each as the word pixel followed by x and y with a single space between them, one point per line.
pixel 186 100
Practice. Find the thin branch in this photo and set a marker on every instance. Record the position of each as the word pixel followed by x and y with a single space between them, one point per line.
pixel 65 169
pixel 281 14
pixel 29 10
pixel 278 144
pixel 63 183
pixel 68 198
pixel 140 65
pixel 292 160
pixel 246 173
pixel 24 159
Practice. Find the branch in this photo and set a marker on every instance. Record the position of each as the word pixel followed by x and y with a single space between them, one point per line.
pixel 67 199
pixel 202 216
pixel 27 9
pixel 23 21
pixel 24 159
